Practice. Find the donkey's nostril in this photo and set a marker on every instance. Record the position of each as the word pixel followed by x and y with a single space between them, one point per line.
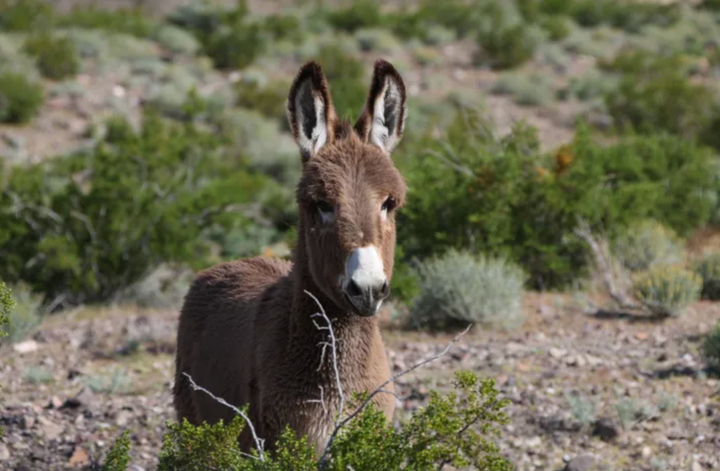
pixel 384 291
pixel 353 289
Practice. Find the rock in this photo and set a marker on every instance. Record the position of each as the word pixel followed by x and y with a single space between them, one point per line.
pixel 55 403
pixel 4 452
pixel 606 430
pixel 533 442
pixel 79 458
pixel 123 418
pixel 27 422
pixel 581 463
pixel 646 452
pixel 696 466
pixel 557 353
pixel 49 430
pixel 27 346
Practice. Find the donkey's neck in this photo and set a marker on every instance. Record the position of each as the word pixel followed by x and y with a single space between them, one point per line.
pixel 354 334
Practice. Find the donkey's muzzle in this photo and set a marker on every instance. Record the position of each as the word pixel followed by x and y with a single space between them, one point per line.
pixel 365 283
pixel 367 298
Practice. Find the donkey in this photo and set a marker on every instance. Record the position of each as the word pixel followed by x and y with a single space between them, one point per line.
pixel 246 330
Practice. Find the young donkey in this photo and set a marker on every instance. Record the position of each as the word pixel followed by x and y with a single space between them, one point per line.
pixel 246 329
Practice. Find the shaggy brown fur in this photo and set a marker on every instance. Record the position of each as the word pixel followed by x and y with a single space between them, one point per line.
pixel 246 332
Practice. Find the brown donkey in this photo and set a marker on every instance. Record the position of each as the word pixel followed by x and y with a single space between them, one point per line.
pixel 246 332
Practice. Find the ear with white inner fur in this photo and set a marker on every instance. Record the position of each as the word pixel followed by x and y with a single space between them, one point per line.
pixel 310 110
pixel 382 121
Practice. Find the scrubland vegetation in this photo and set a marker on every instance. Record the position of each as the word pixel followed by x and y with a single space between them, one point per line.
pixel 182 158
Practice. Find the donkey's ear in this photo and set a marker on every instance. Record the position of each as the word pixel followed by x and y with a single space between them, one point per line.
pixel 382 121
pixel 310 110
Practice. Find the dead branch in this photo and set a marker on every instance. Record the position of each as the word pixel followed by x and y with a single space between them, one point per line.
pixel 604 261
pixel 258 441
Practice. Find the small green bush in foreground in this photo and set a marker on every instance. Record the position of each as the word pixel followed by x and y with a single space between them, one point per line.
pixel 458 288
pixel 455 430
pixel 667 290
pixel 708 268
pixel 20 98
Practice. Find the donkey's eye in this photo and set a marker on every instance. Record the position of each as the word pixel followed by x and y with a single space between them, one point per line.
pixel 389 204
pixel 324 207
pixel 325 211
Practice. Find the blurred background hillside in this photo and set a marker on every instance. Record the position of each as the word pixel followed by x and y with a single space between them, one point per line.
pixel 562 158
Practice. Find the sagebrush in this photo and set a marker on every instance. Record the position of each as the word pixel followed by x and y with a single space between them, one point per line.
pixel 667 290
pixel 460 288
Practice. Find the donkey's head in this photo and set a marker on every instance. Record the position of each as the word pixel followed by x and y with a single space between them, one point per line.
pixel 350 189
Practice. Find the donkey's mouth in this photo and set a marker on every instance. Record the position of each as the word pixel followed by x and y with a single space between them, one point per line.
pixel 364 306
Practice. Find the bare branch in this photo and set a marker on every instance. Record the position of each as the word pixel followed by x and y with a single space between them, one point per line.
pixel 321 401
pixel 333 347
pixel 604 262
pixel 258 441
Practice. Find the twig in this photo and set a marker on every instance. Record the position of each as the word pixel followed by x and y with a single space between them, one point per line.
pixel 258 441
pixel 333 347
pixel 339 424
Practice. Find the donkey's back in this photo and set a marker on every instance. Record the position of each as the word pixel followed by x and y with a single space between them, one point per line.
pixel 215 335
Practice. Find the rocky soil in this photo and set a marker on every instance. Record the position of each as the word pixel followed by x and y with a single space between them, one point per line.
pixel 588 390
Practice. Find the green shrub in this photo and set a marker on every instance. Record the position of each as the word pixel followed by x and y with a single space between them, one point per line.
pixel 712 5
pixel 284 27
pixel 556 27
pixel 25 15
pixel 590 86
pixel 57 58
pixel 646 244
pixel 377 39
pixel 97 221
pixel 227 37
pixel 556 7
pixel 177 40
pixel 268 99
pixel 345 75
pixel 455 430
pixel 711 348
pixel 25 317
pixel 667 290
pixel 7 304
pixel 118 458
pixel 505 197
pixel 463 18
pixel 630 16
pixel 360 14
pixel 20 98
pixel 507 46
pixel 458 289
pixel 708 268
pixel 527 89
pixel 132 21
pixel 236 47
pixel 655 95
